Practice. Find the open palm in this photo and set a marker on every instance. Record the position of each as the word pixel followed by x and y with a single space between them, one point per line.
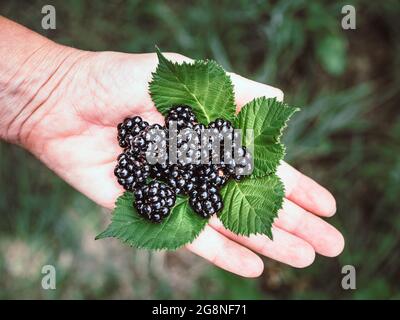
pixel 74 133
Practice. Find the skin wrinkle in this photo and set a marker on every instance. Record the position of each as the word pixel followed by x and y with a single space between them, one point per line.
pixel 38 148
pixel 97 86
pixel 7 82
pixel 94 95
pixel 18 140
pixel 24 62
pixel 63 76
pixel 24 82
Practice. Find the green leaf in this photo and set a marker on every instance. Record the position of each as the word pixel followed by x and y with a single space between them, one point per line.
pixel 251 205
pixel 266 119
pixel 204 85
pixel 182 226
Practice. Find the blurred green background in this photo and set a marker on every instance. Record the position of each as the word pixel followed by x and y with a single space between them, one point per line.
pixel 347 137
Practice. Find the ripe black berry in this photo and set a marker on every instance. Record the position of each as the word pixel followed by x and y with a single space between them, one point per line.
pixel 131 171
pixel 138 144
pixel 154 201
pixel 220 134
pixel 155 144
pixel 129 128
pixel 181 178
pixel 142 141
pixel 205 200
pixel 183 116
pixel 236 161
pixel 244 165
pixel 188 147
pixel 160 171
pixel 221 124
pixel 211 173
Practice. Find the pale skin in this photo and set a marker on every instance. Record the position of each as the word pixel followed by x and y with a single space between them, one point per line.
pixel 63 105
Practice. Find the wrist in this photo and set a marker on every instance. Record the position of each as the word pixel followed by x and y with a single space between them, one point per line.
pixel 27 84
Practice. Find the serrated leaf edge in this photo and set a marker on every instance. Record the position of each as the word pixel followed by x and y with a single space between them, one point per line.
pixel 269 102
pixel 206 62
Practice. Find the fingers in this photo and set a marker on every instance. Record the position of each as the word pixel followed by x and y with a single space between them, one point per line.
pixel 305 192
pixel 285 247
pixel 246 90
pixel 322 236
pixel 299 188
pixel 226 254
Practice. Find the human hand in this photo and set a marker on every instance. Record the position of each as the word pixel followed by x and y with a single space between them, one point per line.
pixel 72 129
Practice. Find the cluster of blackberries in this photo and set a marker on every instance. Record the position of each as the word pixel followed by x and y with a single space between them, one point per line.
pixel 197 170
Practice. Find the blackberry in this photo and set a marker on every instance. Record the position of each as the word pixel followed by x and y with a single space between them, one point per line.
pixel 160 171
pixel 224 129
pixel 199 128
pixel 131 171
pixel 205 200
pixel 183 116
pixel 236 161
pixel 186 144
pixel 156 144
pixel 245 164
pixel 138 144
pixel 211 173
pixel 128 129
pixel 221 130
pixel 154 201
pixel 143 141
pixel 220 124
pixel 155 133
pixel 181 178
pixel 225 132
pixel 187 148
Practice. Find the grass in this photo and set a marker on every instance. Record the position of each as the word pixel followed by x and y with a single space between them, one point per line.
pixel 347 136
